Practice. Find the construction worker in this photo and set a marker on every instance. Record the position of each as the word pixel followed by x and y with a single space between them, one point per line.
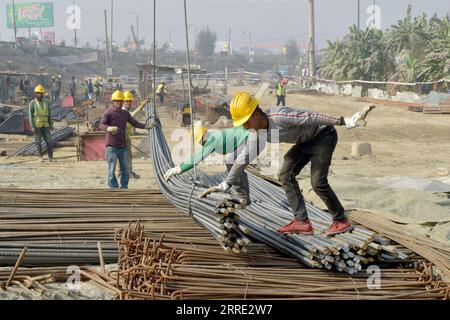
pixel 90 86
pixel 58 87
pixel 85 89
pixel 41 121
pixel 280 92
pixel 54 89
pixel 314 138
pixel 114 121
pixel 97 90
pixel 228 141
pixel 128 100
pixel 161 91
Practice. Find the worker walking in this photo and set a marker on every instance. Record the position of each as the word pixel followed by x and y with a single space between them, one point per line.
pixel 314 138
pixel 90 86
pixel 281 92
pixel 128 100
pixel 41 121
pixel 161 91
pixel 114 121
pixel 227 141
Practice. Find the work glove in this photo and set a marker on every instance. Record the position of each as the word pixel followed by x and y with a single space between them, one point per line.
pixel 172 172
pixel 358 119
pixel 113 129
pixel 149 126
pixel 223 187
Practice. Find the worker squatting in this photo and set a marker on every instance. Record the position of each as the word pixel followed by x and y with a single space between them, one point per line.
pixel 314 140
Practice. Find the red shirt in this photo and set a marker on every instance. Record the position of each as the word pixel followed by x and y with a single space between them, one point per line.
pixel 119 119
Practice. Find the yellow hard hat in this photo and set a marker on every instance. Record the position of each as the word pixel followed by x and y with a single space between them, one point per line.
pixel 199 131
pixel 39 89
pixel 242 107
pixel 117 96
pixel 128 96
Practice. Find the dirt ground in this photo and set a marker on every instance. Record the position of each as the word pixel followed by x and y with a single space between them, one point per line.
pixel 403 143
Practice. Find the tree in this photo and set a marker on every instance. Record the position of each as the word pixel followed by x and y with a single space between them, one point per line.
pixel 292 52
pixel 206 42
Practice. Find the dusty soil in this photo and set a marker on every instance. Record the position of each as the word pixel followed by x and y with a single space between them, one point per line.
pixel 403 143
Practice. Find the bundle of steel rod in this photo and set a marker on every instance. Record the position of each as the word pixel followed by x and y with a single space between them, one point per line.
pixel 149 269
pixel 31 150
pixel 59 113
pixel 63 227
pixel 434 251
pixel 268 212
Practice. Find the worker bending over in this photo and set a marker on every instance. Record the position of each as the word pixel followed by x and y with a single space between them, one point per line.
pixel 314 138
pixel 41 121
pixel 228 141
pixel 114 121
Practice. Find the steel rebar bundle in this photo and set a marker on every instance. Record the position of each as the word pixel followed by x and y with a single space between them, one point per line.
pixel 268 212
pixel 31 150
pixel 63 227
pixel 149 269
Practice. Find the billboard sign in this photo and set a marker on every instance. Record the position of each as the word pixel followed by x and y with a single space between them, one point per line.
pixel 30 15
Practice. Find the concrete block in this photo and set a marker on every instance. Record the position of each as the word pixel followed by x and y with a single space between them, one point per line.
pixel 361 149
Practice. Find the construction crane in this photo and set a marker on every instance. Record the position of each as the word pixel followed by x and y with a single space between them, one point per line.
pixel 135 40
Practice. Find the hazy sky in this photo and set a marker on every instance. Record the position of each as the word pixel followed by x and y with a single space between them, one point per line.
pixel 271 22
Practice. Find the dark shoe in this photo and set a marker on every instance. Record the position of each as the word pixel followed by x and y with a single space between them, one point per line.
pixel 134 175
pixel 296 226
pixel 339 227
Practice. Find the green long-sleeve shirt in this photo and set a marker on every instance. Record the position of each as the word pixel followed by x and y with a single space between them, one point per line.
pixel 222 142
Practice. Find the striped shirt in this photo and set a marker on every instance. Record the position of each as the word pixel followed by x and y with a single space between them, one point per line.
pixel 286 125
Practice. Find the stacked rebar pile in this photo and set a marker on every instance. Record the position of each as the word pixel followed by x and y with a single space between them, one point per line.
pixel 150 269
pixel 268 212
pixel 59 113
pixel 57 135
pixel 63 227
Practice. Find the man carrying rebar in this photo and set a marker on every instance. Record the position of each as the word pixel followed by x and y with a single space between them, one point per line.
pixel 161 91
pixel 41 121
pixel 314 138
pixel 115 121
pixel 228 141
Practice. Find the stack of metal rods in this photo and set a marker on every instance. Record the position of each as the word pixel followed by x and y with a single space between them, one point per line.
pixel 434 251
pixel 150 269
pixel 63 227
pixel 268 212
pixel 31 149
pixel 216 213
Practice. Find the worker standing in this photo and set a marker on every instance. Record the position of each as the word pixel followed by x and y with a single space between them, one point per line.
pixel 58 87
pixel 54 89
pixel 128 100
pixel 228 141
pixel 114 121
pixel 90 86
pixel 41 121
pixel 281 93
pixel 161 91
pixel 314 138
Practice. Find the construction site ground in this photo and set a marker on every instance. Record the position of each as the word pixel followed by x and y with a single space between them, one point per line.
pixel 404 143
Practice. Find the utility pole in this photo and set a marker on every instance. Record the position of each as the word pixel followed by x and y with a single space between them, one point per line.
pixel 112 28
pixel 107 46
pixel 229 42
pixel 75 28
pixel 312 42
pixel 14 23
pixel 358 12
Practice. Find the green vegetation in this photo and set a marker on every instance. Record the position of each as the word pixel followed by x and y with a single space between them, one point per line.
pixel 415 49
